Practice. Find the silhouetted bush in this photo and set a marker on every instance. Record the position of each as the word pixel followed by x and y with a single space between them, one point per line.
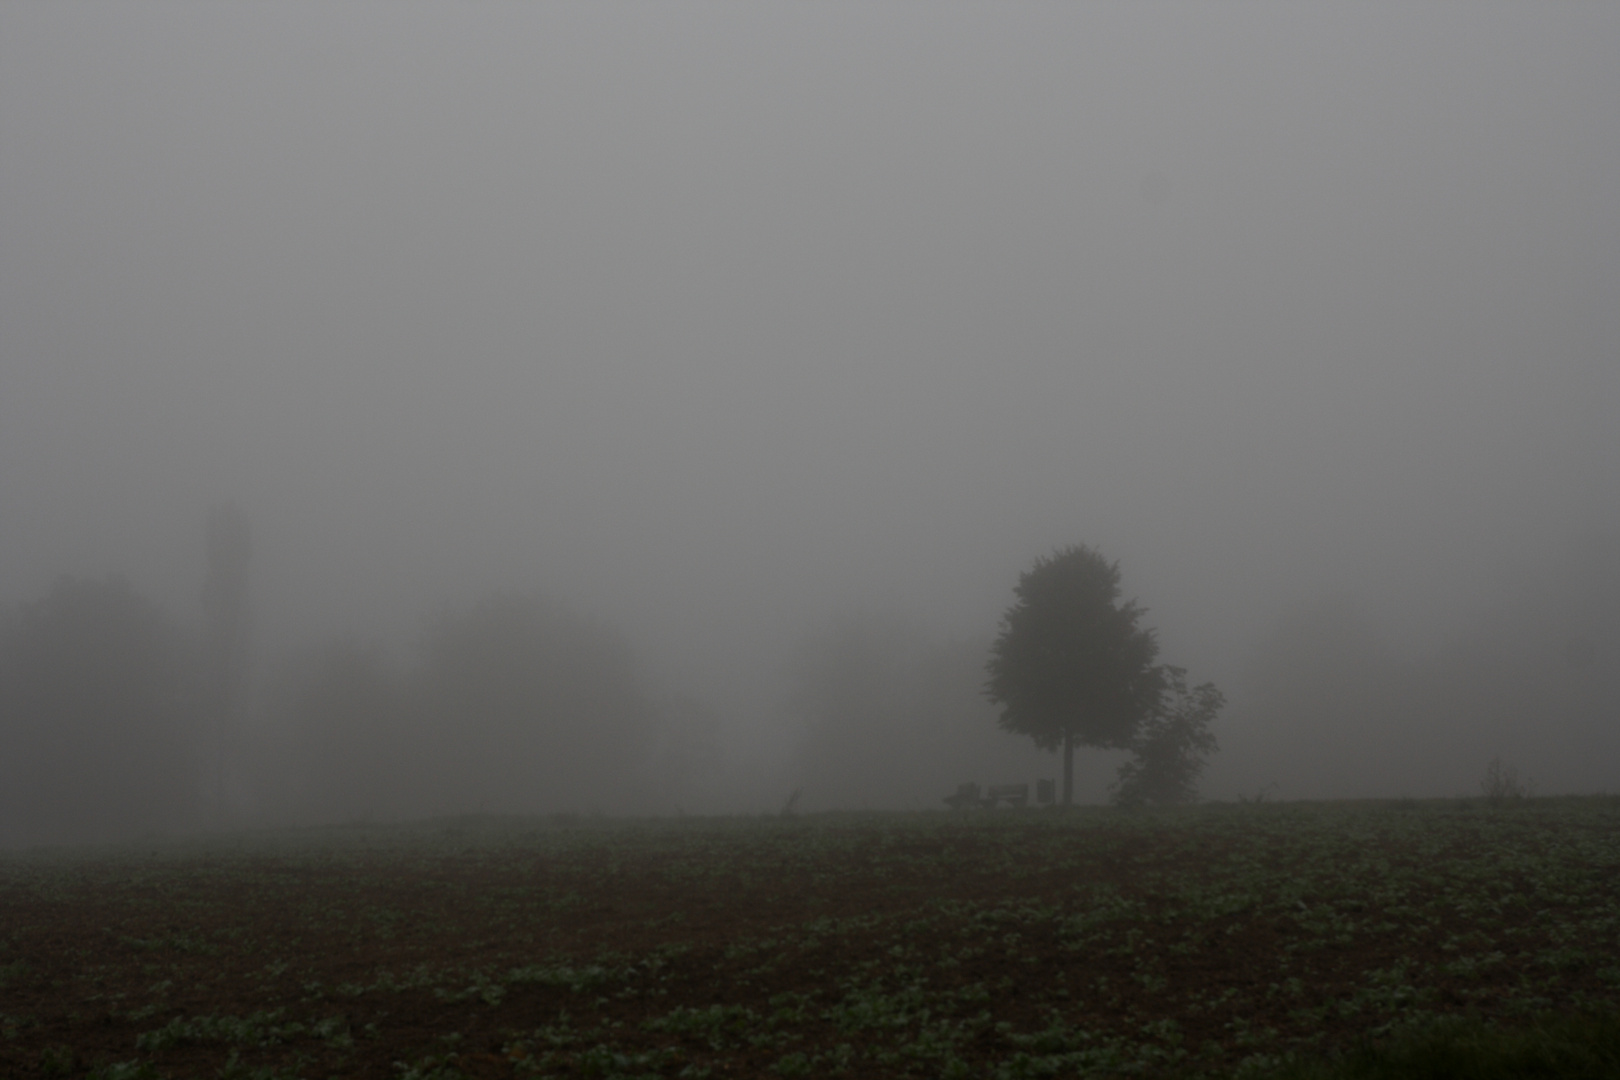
pixel 1172 747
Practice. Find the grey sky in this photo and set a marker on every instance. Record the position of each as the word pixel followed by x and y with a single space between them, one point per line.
pixel 717 319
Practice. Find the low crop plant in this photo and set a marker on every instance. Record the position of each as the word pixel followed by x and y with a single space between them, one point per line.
pixel 1501 783
pixel 719 1027
pixel 1210 940
pixel 258 1029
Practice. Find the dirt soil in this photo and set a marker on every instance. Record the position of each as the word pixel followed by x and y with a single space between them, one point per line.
pixel 858 946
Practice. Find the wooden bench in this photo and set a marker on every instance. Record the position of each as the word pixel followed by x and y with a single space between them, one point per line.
pixel 1013 794
pixel 968 795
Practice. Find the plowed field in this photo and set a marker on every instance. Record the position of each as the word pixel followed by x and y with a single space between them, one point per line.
pixel 984 944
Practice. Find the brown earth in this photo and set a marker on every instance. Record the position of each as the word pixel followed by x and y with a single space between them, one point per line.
pixel 402 942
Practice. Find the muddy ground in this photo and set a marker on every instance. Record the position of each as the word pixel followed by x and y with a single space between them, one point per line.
pixel 1008 943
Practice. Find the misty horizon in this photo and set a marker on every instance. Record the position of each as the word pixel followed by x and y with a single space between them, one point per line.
pixel 724 327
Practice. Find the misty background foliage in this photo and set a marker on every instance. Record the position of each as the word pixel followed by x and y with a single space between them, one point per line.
pixel 887 717
pixel 630 417
pixel 519 703
pixel 100 726
pixel 1330 707
pixel 114 721
pixel 515 705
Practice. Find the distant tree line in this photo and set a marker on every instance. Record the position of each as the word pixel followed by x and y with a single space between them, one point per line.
pixel 108 721
pixel 115 720
pixel 517 704
pixel 100 716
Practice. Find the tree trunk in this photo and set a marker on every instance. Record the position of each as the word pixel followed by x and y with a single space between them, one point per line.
pixel 1068 768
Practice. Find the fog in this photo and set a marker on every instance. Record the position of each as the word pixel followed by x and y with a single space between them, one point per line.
pixel 714 339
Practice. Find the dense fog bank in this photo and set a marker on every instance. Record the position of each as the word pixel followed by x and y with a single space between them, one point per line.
pixel 652 408
pixel 887 717
pixel 518 703
pixel 100 719
pixel 514 706
pixel 1329 707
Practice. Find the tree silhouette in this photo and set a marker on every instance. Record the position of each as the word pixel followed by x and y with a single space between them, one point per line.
pixel 1072 664
pixel 1173 746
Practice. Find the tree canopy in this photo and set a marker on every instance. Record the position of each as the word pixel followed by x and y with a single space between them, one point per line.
pixel 1072 664
pixel 1173 746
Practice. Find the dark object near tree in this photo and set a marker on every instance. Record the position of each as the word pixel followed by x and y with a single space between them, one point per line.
pixel 1071 663
pixel 1173 746
pixel 1044 792
pixel 1011 794
pixel 968 795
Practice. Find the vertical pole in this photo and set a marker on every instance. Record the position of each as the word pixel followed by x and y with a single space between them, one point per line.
pixel 1068 768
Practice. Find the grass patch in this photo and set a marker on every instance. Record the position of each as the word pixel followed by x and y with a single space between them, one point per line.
pixel 1583 1046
